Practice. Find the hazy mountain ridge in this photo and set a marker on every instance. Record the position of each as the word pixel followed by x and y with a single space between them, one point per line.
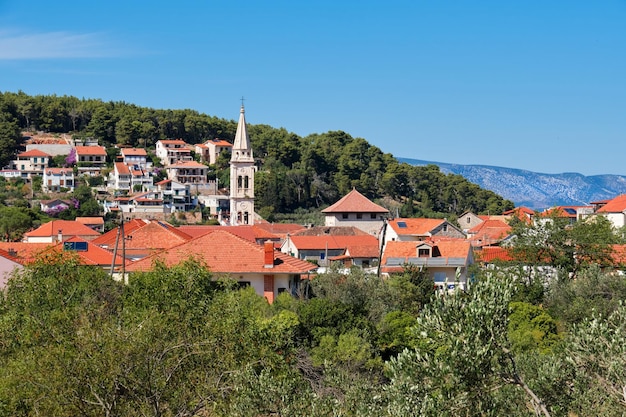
pixel 536 190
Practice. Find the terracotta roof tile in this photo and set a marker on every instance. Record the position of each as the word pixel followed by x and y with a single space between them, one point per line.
pixel 34 153
pixel 24 252
pixel 224 253
pixel 331 230
pixel 494 253
pixel 415 226
pixel 134 152
pixel 355 202
pixel 91 150
pixel 450 248
pixel 68 228
pixel 616 205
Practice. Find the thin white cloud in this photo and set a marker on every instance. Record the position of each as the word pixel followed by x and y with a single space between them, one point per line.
pixel 53 45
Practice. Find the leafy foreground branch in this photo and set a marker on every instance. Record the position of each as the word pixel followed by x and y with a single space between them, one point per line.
pixel 179 342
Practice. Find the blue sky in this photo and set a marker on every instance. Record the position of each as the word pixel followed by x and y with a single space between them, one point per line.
pixel 536 85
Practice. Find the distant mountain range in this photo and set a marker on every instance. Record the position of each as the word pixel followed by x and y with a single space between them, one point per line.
pixel 535 190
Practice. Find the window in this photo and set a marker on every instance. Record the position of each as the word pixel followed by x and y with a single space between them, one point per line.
pixel 373 216
pixel 440 277
pixel 245 182
pixel 469 220
pixel 402 225
pixel 423 253
pixel 359 216
pixel 243 284
pixel 239 181
pixel 445 227
pixel 344 215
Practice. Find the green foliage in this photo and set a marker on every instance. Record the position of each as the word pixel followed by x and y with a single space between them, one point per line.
pixel 531 328
pixel 592 292
pixel 14 222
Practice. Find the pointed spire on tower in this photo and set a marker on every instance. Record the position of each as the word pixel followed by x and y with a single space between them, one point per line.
pixel 242 142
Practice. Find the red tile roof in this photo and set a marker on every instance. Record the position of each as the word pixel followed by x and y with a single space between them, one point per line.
pixel 616 205
pixel 173 142
pixel 25 252
pixel 331 230
pixel 444 250
pixel 188 164
pixel 449 248
pixel 225 253
pixel 332 242
pixel 91 150
pixel 355 202
pixel 145 236
pixel 122 168
pixel 90 220
pixel 280 229
pixel 33 153
pixel 59 171
pixel 415 226
pixel 489 232
pixel 134 152
pixel 494 253
pixel 94 255
pixel 67 227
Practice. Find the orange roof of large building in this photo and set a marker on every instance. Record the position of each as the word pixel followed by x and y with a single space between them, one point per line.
pixel 144 237
pixel 415 226
pixel 219 142
pixel 34 153
pixel 331 230
pixel 90 220
pixel 66 227
pixel 251 233
pixel 616 205
pixel 134 152
pixel 355 202
pixel 91 150
pixel 225 253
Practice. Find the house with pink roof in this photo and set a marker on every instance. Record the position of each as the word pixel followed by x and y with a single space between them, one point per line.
pixel 354 209
pixel 489 233
pixel 413 229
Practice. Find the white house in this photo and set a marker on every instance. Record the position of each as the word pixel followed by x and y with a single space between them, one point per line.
pixel 31 163
pixel 354 209
pixel 173 151
pixel 90 159
pixel 210 150
pixel 56 179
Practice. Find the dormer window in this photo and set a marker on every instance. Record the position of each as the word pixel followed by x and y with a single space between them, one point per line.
pixel 423 252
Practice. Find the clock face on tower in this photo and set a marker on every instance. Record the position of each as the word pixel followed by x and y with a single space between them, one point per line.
pixel 244 205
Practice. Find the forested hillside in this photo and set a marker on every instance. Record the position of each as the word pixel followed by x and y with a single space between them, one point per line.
pixel 294 172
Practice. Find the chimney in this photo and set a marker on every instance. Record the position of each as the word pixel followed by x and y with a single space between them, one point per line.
pixel 268 247
pixel 60 235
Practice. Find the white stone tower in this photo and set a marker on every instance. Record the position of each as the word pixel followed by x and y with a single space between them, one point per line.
pixel 242 171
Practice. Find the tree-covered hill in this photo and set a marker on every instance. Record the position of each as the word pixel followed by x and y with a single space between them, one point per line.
pixel 294 172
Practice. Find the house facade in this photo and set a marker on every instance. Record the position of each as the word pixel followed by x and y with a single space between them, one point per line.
pixel 261 267
pixel 354 209
pixel 135 156
pixel 173 151
pixel 210 150
pixel 91 160
pixel 416 229
pixel 31 163
pixel 445 261
pixel 57 179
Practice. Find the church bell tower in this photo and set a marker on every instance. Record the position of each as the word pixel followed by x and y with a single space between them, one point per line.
pixel 242 171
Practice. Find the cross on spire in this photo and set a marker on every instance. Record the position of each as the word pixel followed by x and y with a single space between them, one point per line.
pixel 242 99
